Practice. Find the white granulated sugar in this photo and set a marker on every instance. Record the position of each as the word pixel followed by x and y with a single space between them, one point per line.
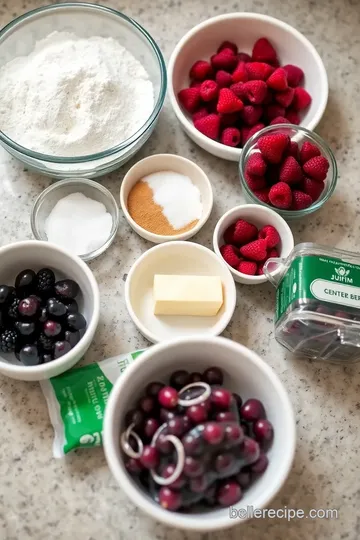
pixel 79 224
pixel 74 96
pixel 179 198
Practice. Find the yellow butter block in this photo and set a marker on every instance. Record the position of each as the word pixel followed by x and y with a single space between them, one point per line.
pixel 187 295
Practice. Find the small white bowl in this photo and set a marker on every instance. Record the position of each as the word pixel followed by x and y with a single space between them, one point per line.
pixel 167 162
pixel 259 216
pixel 176 258
pixel 35 255
pixel 244 29
pixel 245 373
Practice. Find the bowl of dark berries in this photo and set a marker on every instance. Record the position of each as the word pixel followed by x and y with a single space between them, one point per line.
pixel 288 168
pixel 198 428
pixel 234 74
pixel 49 310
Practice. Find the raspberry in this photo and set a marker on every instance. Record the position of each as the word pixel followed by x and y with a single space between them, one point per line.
pixel 223 79
pixel 228 235
pixel 278 80
pixel 272 174
pixel 317 168
pixel 201 113
pixel 302 99
pixel 226 60
pixel 255 183
pixel 247 267
pixel 300 200
pixel 251 114
pixel 272 253
pixel 274 110
pixel 258 71
pixel 246 132
pixel 262 195
pixel 290 171
pixel 228 102
pixel 292 150
pixel 229 120
pixel 238 89
pixel 195 84
pixel 244 232
pixel 269 98
pixel 255 251
pixel 294 74
pixel 280 195
pixel 228 45
pixel 189 98
pixel 209 125
pixel 285 98
pixel 209 90
pixel 230 255
pixel 279 120
pixel 308 151
pixel 231 136
pixel 293 117
pixel 244 57
pixel 201 70
pixel 312 188
pixel 270 234
pixel 260 269
pixel 272 146
pixel 240 73
pixel 263 51
pixel 256 165
pixel 255 91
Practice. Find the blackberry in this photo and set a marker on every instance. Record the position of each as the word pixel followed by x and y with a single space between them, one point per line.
pixel 8 341
pixel 45 343
pixel 13 311
pixel 45 280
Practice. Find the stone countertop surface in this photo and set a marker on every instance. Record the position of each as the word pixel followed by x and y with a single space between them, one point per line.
pixel 76 497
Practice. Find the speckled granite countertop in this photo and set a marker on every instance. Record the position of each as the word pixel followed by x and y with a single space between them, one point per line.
pixel 42 498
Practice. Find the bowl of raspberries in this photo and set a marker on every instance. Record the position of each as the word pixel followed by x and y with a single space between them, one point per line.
pixel 247 236
pixel 235 74
pixel 49 310
pixel 289 169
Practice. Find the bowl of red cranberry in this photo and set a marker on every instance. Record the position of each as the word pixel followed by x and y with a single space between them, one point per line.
pixel 234 74
pixel 49 310
pixel 198 428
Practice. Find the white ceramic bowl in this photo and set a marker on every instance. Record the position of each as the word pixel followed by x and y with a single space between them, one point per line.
pixel 35 255
pixel 246 373
pixel 176 258
pixel 244 29
pixel 259 216
pixel 167 162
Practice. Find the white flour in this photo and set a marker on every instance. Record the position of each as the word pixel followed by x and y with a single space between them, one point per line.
pixel 73 96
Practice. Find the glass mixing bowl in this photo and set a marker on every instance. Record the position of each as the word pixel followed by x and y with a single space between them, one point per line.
pixel 85 20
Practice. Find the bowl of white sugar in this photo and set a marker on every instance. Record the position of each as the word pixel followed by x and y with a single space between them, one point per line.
pixel 81 89
pixel 79 215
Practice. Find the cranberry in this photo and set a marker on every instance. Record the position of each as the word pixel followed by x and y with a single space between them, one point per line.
pixel 168 397
pixel 166 416
pixel 197 413
pixel 150 427
pixel 193 445
pixel 237 400
pixel 210 495
pixel 229 493
pixel 250 450
pixel 147 405
pixel 179 483
pixel 263 431
pixel 179 379
pixel 244 478
pixel 134 416
pixel 193 467
pixel 176 426
pixel 226 416
pixel 195 377
pixel 234 434
pixel 163 445
pixel 169 498
pixel 133 466
pixel 224 462
pixel 260 465
pixel 213 432
pixel 213 375
pixel 252 410
pixel 198 484
pixel 221 398
pixel 154 388
pixel 29 306
pixel 52 328
pixel 150 457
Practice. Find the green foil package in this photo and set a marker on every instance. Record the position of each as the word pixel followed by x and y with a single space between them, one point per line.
pixel 77 399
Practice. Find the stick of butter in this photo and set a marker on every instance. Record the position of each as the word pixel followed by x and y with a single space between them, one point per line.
pixel 187 295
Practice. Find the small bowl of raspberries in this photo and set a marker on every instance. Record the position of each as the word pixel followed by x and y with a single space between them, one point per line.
pixel 235 74
pixel 247 236
pixel 288 168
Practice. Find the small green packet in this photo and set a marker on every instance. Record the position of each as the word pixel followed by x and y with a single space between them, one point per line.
pixel 77 399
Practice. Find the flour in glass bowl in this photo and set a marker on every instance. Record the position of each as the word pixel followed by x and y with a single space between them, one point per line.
pixel 74 96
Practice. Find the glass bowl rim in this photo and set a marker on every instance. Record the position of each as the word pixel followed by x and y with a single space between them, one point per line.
pixel 73 181
pixel 312 135
pixel 124 144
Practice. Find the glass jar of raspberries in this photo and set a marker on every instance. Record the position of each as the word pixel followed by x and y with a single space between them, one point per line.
pixel 289 169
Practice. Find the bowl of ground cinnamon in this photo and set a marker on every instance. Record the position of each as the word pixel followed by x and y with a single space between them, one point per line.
pixel 166 197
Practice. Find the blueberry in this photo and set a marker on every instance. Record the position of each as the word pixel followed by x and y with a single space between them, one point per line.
pixel 66 288
pixel 6 294
pixel 55 308
pixel 29 355
pixel 25 328
pixel 76 321
pixel 43 315
pixel 72 306
pixel 61 348
pixel 72 337
pixel 25 283
pixel 45 358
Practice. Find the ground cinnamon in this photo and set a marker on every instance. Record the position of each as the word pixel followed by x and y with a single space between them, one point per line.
pixel 146 213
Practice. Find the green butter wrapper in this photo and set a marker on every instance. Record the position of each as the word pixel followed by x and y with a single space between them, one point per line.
pixel 77 399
